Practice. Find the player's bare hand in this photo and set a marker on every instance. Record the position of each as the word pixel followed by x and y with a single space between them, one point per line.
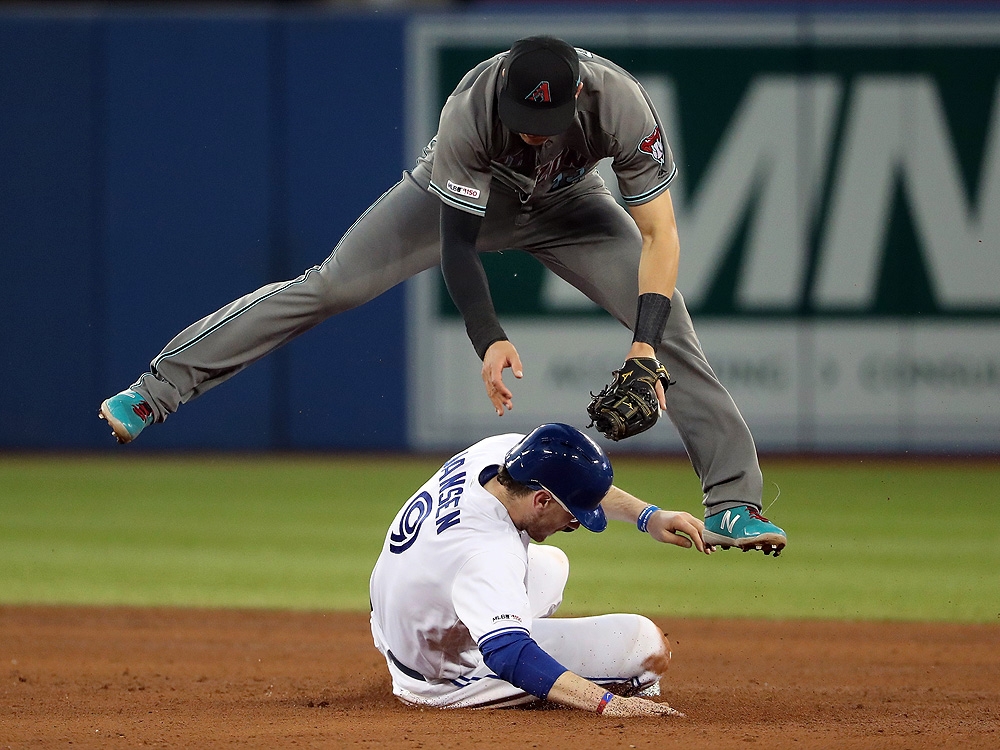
pixel 499 357
pixel 680 528
pixel 661 395
pixel 640 349
pixel 634 706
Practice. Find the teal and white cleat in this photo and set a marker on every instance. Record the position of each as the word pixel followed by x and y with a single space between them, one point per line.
pixel 746 529
pixel 128 414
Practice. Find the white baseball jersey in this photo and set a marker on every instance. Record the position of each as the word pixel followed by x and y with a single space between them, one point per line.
pixel 452 569
pixel 614 119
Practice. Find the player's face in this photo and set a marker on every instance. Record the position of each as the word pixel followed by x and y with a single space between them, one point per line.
pixel 550 518
pixel 533 140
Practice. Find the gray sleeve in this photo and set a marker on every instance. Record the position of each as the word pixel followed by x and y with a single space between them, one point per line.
pixel 461 174
pixel 642 160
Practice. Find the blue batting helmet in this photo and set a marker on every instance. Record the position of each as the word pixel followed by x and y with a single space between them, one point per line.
pixel 573 468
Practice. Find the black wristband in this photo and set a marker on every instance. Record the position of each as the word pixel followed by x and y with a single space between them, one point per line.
pixel 651 315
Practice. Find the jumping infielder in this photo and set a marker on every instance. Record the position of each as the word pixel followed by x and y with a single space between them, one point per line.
pixel 512 166
pixel 460 598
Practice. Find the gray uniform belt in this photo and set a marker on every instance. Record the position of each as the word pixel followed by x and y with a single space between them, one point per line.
pixel 405 669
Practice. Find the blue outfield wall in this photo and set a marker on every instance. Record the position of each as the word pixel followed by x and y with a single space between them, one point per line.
pixel 158 165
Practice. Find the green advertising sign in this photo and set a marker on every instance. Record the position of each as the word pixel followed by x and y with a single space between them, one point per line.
pixel 817 179
pixel 838 202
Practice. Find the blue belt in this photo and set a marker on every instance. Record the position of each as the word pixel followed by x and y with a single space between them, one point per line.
pixel 405 669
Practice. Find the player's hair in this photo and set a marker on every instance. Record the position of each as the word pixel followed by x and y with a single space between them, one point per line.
pixel 512 485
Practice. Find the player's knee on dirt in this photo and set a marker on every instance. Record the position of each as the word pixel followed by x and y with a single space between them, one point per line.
pixel 654 649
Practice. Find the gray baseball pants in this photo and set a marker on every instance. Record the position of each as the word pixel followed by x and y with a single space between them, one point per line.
pixel 590 241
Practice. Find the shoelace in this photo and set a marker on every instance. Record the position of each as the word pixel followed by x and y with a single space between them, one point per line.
pixel 754 513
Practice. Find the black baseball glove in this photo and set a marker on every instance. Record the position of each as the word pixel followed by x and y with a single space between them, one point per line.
pixel 628 405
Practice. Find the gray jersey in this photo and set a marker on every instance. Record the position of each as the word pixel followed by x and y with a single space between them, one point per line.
pixel 614 119
pixel 566 218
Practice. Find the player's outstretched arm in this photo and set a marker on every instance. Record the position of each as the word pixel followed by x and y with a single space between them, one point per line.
pixel 574 691
pixel 661 247
pixel 658 264
pixel 515 657
pixel 668 526
pixel 470 291
pixel 680 528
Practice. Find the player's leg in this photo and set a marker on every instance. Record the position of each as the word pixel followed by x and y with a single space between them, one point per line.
pixel 548 571
pixel 396 238
pixel 479 689
pixel 594 245
pixel 628 653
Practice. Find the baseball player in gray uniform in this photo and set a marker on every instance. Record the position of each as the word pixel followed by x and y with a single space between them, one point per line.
pixel 461 598
pixel 512 166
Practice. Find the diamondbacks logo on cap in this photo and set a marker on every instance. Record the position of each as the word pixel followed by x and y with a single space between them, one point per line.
pixel 540 94
pixel 652 145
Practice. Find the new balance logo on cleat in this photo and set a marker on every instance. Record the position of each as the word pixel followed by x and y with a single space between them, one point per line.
pixel 729 521
pixel 746 529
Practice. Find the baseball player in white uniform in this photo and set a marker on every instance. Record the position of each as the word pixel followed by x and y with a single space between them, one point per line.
pixel 512 166
pixel 461 598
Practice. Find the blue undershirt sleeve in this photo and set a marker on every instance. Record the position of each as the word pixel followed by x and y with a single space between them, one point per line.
pixel 516 658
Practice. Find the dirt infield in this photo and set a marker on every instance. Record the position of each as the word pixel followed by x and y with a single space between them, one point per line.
pixel 90 677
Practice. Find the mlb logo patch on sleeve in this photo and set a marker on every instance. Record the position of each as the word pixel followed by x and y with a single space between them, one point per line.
pixel 462 190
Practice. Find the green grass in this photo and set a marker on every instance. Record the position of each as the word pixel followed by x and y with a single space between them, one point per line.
pixel 868 539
